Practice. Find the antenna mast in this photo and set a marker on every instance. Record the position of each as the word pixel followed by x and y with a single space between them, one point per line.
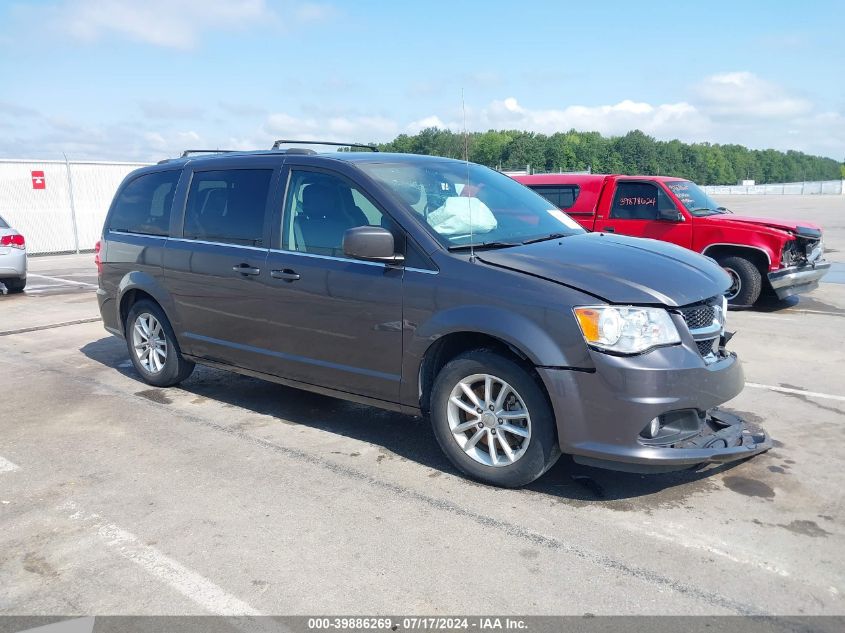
pixel 466 185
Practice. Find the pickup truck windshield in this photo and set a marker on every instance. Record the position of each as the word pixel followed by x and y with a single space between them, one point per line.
pixel 694 199
pixel 465 204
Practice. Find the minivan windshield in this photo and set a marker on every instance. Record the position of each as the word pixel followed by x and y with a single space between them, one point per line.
pixel 467 204
pixel 694 199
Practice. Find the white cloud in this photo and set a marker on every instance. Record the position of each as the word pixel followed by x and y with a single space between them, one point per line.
pixel 169 23
pixel 353 128
pixel 619 118
pixel 414 127
pixel 743 94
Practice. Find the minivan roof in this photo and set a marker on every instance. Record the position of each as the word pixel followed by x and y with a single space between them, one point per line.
pixel 349 157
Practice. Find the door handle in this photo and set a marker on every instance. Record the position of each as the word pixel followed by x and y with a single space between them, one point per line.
pixel 287 274
pixel 609 229
pixel 246 269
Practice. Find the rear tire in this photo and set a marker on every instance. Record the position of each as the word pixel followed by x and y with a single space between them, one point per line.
pixel 520 425
pixel 152 346
pixel 14 285
pixel 746 279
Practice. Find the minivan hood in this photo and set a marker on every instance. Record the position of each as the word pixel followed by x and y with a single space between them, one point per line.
pixel 618 269
pixel 773 223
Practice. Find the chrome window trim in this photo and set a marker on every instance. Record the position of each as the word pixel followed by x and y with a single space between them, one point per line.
pixel 330 257
pixel 158 237
pixel 755 248
pixel 350 260
pixel 209 243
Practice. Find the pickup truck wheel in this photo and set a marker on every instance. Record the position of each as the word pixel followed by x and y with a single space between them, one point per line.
pixel 152 346
pixel 746 280
pixel 493 420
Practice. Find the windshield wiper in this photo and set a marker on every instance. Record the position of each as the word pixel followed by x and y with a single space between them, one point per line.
pixel 466 247
pixel 550 236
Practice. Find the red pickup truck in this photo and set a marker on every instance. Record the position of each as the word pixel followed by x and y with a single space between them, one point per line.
pixel 785 256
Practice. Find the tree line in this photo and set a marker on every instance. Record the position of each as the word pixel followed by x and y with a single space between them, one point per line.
pixel 633 153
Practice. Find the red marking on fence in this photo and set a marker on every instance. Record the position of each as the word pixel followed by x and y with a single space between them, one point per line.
pixel 38 180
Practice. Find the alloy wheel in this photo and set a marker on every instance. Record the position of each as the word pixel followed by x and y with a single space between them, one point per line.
pixel 489 420
pixel 149 343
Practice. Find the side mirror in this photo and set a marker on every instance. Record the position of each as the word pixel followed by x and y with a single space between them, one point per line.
pixel 371 243
pixel 671 215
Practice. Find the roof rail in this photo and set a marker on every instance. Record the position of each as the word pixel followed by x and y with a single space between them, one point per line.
pixel 281 142
pixel 188 152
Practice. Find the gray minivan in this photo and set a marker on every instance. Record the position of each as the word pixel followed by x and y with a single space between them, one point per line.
pixel 432 286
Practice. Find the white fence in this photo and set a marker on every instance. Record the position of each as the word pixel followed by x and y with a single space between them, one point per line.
pixel 815 187
pixel 59 206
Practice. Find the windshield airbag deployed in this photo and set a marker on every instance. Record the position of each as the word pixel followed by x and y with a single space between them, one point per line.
pixel 462 216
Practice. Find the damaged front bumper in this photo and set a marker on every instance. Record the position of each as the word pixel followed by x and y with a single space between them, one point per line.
pixel 797 279
pixel 724 437
pixel 604 416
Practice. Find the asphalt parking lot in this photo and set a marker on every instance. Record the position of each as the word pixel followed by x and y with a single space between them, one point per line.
pixel 229 495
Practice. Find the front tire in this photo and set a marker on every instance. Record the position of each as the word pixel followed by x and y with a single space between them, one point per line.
pixel 746 280
pixel 493 420
pixel 152 346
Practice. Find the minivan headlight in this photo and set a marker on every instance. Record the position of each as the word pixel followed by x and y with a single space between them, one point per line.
pixel 626 329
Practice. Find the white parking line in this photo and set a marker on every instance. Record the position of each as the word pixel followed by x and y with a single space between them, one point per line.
pixel 800 392
pixel 6 466
pixel 803 311
pixel 187 582
pixel 63 281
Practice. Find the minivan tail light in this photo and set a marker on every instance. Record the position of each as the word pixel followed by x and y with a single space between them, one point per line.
pixel 15 241
pixel 97 259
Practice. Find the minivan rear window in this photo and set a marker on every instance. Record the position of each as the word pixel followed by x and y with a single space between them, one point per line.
pixel 228 206
pixel 143 206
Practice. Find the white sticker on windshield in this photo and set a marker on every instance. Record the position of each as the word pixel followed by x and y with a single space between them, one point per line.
pixel 561 217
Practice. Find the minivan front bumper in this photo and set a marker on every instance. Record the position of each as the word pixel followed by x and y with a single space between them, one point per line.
pixel 602 415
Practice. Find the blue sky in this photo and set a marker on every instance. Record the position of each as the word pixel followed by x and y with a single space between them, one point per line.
pixel 129 80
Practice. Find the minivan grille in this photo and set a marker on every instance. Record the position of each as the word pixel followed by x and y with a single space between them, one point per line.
pixel 706 346
pixel 699 316
pixel 700 319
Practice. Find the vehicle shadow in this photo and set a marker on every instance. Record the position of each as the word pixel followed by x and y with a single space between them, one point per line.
pixel 399 436
pixel 770 303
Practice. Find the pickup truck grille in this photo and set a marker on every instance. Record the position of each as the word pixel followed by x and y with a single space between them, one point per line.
pixel 704 322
